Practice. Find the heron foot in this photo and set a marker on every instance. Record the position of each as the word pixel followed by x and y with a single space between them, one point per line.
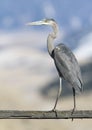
pixel 72 112
pixel 55 111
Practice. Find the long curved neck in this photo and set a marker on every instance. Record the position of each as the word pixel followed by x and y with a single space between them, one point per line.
pixel 51 37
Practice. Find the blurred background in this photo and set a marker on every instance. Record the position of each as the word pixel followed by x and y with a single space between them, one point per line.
pixel 28 77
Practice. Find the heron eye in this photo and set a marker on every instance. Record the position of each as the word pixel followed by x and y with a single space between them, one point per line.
pixel 45 20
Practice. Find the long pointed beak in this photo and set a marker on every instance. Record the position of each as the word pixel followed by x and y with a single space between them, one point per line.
pixel 36 23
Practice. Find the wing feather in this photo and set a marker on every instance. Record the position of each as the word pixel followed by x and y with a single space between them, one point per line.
pixel 67 65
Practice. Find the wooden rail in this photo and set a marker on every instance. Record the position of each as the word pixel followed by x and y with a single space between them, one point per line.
pixel 16 114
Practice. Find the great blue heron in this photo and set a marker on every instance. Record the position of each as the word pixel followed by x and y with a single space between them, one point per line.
pixel 65 61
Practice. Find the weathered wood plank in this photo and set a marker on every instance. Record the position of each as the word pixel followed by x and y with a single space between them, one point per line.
pixel 16 114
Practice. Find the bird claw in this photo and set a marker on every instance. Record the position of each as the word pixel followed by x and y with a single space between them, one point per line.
pixel 72 112
pixel 55 111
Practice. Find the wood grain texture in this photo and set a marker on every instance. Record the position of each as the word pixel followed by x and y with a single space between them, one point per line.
pixel 16 114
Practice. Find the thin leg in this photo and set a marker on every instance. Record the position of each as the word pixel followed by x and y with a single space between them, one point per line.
pixel 74 99
pixel 58 94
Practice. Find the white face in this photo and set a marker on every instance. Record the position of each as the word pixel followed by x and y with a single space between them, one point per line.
pixel 48 21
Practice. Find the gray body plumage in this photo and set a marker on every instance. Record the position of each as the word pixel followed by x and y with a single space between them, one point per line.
pixel 67 66
pixel 64 59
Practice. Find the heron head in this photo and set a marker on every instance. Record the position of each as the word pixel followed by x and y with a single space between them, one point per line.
pixel 43 22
